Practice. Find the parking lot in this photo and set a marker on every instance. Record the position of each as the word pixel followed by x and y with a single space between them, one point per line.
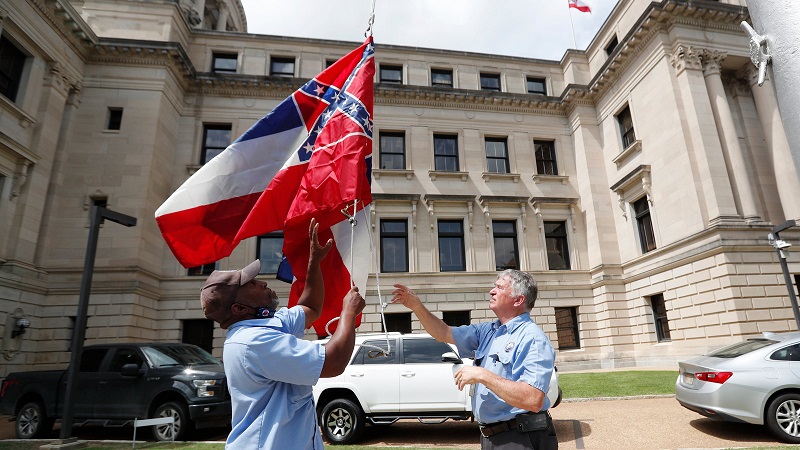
pixel 640 423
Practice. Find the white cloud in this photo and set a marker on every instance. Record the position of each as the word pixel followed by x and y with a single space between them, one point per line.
pixel 529 28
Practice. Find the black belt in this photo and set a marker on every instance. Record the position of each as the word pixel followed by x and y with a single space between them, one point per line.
pixel 498 427
pixel 523 423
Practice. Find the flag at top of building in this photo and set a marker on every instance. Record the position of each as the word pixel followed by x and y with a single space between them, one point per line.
pixel 310 157
pixel 580 5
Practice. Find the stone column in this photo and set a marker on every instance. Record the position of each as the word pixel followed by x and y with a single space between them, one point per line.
pixel 786 177
pixel 715 192
pixel 726 128
pixel 200 7
pixel 222 18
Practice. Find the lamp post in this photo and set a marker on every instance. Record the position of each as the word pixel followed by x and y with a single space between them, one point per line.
pixel 96 214
pixel 782 247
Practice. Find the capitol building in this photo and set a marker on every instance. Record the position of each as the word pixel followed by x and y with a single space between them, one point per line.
pixel 637 180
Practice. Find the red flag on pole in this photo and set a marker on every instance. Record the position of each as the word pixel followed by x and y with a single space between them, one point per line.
pixel 580 5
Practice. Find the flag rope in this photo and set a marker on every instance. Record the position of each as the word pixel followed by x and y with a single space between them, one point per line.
pixel 373 253
pixel 368 33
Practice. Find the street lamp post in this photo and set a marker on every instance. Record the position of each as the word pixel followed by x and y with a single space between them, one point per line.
pixel 96 214
pixel 782 247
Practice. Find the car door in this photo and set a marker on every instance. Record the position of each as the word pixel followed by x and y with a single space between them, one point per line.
pixel 426 382
pixel 120 396
pixel 86 395
pixel 376 375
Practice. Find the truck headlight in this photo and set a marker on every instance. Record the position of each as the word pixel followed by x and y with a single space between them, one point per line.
pixel 204 387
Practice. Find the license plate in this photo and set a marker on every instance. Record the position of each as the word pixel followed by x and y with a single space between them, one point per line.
pixel 688 378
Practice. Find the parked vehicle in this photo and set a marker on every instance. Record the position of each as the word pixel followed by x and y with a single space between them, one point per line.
pixel 118 383
pixel 756 381
pixel 414 379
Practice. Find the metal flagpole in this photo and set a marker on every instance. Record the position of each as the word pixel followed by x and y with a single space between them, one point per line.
pixel 779 42
pixel 572 26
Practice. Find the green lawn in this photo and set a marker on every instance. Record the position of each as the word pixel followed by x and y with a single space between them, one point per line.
pixel 617 384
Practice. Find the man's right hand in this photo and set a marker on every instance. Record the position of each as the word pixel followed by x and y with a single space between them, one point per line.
pixel 406 297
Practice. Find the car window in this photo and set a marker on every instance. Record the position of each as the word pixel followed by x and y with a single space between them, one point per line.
pixel 374 352
pixel 92 358
pixel 178 355
pixel 742 348
pixel 790 353
pixel 124 356
pixel 424 351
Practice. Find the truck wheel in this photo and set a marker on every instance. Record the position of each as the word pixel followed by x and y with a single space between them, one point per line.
pixel 32 422
pixel 342 421
pixel 182 425
pixel 783 418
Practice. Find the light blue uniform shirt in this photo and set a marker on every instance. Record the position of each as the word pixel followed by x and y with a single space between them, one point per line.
pixel 517 351
pixel 270 371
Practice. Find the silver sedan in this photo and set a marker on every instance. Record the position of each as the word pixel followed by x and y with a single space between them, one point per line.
pixel 756 381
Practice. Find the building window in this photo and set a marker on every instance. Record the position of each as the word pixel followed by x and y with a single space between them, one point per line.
pixel 490 82
pixel 441 77
pixel 445 153
pixel 496 155
pixel 567 328
pixel 555 236
pixel 451 246
pixel 114 119
pixel 456 318
pixel 269 250
pixel 391 74
pixel 224 62
pixel 330 62
pixel 536 86
pixel 199 332
pixel 545 157
pixel 216 138
pixel 394 246
pixel 611 46
pixel 205 269
pixel 660 317
pixel 505 245
pixel 399 322
pixel 626 127
pixel 281 67
pixel 12 61
pixel 644 224
pixel 393 150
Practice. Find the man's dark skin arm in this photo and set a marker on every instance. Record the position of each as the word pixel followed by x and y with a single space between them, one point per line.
pixel 339 348
pixel 314 290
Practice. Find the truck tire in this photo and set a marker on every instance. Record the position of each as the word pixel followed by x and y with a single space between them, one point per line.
pixel 182 426
pixel 32 421
pixel 342 421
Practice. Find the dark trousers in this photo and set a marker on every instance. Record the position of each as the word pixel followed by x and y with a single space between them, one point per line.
pixel 517 440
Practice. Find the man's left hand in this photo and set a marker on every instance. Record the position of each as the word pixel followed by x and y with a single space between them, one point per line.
pixel 469 375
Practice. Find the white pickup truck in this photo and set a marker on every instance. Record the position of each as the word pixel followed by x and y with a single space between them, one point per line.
pixel 413 380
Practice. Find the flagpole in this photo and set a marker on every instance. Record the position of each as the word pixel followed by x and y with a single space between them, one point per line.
pixel 572 27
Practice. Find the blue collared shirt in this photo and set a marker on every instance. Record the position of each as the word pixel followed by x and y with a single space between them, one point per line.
pixel 270 371
pixel 518 351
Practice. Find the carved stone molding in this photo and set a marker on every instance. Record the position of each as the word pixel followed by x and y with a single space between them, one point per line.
pixel 686 57
pixel 20 178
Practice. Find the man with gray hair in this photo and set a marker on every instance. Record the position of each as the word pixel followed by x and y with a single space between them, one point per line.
pixel 513 364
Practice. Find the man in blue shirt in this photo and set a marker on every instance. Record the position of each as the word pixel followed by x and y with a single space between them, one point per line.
pixel 269 367
pixel 513 364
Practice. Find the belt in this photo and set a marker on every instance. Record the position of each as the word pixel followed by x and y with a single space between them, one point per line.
pixel 498 427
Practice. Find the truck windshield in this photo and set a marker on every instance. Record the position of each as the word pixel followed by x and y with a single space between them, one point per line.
pixel 162 356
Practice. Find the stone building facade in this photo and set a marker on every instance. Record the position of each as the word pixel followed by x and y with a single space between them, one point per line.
pixel 636 180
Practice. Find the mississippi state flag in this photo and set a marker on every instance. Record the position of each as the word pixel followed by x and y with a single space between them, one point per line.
pixel 580 5
pixel 311 156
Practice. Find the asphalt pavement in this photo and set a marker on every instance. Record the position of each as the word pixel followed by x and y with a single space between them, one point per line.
pixel 646 423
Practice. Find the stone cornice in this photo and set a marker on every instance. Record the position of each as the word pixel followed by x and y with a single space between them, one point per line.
pixel 391 94
pixel 63 18
pixel 145 53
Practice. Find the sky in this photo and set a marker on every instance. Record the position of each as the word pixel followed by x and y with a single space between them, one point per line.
pixel 528 28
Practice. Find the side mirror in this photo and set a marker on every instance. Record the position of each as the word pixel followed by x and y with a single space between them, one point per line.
pixel 130 370
pixel 451 358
